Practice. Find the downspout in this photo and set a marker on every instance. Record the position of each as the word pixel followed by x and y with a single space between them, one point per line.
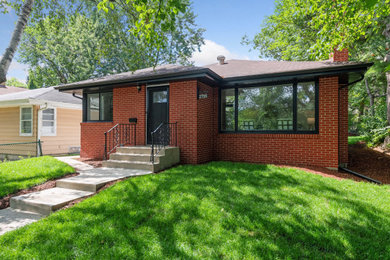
pixel 39 123
pixel 353 82
pixel 348 170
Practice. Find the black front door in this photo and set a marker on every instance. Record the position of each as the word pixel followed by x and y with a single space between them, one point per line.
pixel 157 110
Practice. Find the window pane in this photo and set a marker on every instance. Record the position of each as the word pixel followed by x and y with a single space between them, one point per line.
pixel 106 107
pixel 306 106
pixel 26 113
pixel 48 114
pixel 265 108
pixel 227 110
pixel 26 127
pixel 160 97
pixel 93 107
pixel 48 123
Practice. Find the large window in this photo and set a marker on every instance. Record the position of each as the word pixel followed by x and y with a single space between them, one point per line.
pixel 99 106
pixel 276 108
pixel 26 121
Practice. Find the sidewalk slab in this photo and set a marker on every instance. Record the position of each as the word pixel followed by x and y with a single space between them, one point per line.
pixel 46 201
pixel 11 219
pixel 71 160
pixel 92 180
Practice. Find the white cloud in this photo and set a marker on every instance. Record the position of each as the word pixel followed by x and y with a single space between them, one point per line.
pixel 209 52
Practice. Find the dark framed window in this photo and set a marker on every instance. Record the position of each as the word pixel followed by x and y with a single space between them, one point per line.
pixel 98 106
pixel 282 108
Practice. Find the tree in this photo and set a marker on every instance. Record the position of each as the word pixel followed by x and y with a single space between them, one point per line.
pixel 14 82
pixel 91 43
pixel 164 28
pixel 9 53
pixel 311 29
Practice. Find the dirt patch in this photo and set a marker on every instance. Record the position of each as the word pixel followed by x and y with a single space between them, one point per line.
pixel 93 162
pixel 4 202
pixel 373 163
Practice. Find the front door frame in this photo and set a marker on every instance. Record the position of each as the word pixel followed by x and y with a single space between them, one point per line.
pixel 148 87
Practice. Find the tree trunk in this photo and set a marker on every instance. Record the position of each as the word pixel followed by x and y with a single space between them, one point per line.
pixel 388 97
pixel 15 39
pixel 371 97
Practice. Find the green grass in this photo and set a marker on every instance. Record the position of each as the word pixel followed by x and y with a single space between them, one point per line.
pixel 26 173
pixel 355 139
pixel 217 210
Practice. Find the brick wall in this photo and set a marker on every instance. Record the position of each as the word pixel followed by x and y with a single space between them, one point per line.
pixel 343 126
pixel 206 117
pixel 183 109
pixel 292 149
pixel 92 139
pixel 131 103
pixel 198 136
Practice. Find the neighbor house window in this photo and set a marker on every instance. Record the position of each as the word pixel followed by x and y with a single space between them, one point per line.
pixel 99 106
pixel 289 108
pixel 26 121
pixel 48 122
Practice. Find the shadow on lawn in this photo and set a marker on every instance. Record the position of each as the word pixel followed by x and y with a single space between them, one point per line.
pixel 216 210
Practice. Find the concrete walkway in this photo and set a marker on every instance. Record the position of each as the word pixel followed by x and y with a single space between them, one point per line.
pixel 29 208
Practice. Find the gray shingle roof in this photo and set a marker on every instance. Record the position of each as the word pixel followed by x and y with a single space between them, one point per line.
pixel 231 69
pixel 9 89
pixel 45 94
pixel 240 68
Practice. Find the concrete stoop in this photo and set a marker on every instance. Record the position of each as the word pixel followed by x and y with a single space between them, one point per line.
pixel 138 157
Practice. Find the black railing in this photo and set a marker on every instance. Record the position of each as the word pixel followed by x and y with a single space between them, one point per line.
pixel 15 151
pixel 117 136
pixel 164 135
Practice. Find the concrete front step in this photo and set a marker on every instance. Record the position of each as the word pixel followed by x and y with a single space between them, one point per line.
pixel 134 157
pixel 94 179
pixel 134 150
pixel 148 166
pixel 46 201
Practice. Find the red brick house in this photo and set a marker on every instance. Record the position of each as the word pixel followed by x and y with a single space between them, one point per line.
pixel 279 112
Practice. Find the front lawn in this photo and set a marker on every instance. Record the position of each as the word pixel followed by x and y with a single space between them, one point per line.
pixel 26 173
pixel 216 210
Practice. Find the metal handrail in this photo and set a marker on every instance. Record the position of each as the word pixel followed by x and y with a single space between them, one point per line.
pixel 117 136
pixel 165 134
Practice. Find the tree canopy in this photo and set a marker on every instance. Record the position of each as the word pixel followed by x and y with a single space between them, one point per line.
pixel 118 36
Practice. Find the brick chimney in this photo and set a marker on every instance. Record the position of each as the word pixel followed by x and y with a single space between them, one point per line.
pixel 339 56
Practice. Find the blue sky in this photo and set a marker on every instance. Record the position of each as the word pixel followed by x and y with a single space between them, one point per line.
pixel 225 21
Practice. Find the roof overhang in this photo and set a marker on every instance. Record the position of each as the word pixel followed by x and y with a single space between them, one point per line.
pixel 31 102
pixel 354 71
pixel 210 77
pixel 205 75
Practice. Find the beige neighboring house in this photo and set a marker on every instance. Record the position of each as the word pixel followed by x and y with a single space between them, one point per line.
pixel 43 114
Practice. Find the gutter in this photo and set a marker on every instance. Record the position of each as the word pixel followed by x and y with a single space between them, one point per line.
pixel 353 82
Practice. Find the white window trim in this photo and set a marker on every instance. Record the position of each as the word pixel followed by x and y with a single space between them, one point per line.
pixel 55 122
pixel 20 121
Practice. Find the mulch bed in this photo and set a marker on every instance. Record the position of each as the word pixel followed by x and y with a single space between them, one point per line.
pixel 4 202
pixel 369 162
pixel 93 162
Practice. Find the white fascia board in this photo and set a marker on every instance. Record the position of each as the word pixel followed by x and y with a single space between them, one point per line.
pixel 15 103
pixel 54 104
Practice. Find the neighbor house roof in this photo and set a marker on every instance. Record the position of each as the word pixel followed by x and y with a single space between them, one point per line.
pixel 41 96
pixel 8 89
pixel 228 73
